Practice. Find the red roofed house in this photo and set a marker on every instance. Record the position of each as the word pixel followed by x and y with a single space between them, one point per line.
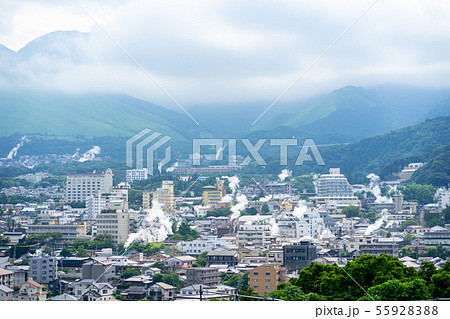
pixel 31 291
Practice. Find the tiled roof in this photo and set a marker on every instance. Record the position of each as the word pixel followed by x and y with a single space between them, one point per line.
pixel 34 283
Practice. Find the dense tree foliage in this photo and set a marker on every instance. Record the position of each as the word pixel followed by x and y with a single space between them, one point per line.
pixel 423 194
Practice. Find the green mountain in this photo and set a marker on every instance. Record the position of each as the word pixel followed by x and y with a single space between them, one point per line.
pixel 94 114
pixel 383 154
pixel 345 115
pixel 437 169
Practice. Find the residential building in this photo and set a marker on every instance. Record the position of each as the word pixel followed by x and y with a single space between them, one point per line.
pixel 69 232
pixel 255 230
pixel 98 269
pixel 136 175
pixel 99 291
pixel 177 262
pixel 31 291
pixel 334 190
pixel 95 204
pixel 223 257
pixel 162 291
pixel 437 235
pixel 147 198
pixel 277 189
pixel 6 278
pixel 199 245
pixel 134 293
pixel 202 275
pixel 6 293
pixel 80 186
pixel 299 255
pixel 274 256
pixel 211 196
pixel 265 278
pixel 43 269
pixel 117 222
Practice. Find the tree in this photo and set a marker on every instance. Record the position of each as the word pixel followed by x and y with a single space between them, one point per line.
pixel 4 240
pixel 446 214
pixel 81 251
pixel 351 211
pixel 424 194
pixel 157 278
pixel 408 239
pixel 265 209
pixel 201 260
pixel 66 252
pixel 130 272
pixel 287 292
pixel 397 290
pixel 427 270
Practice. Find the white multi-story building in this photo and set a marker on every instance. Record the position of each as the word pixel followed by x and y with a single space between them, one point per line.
pixel 333 190
pixel 95 204
pixel 442 197
pixel 255 230
pixel 309 224
pixel 80 186
pixel 136 175
pixel 199 245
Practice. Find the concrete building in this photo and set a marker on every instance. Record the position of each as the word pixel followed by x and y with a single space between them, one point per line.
pixel 199 245
pixel 99 269
pixel 147 200
pixel 211 196
pixel 69 232
pixel 136 175
pixel 277 189
pixel 80 186
pixel 95 204
pixel 437 236
pixel 333 190
pixel 223 257
pixel 202 275
pixel 265 278
pixel 117 222
pixel 6 293
pixel 6 278
pixel 163 195
pixel 255 230
pixel 43 269
pixel 297 256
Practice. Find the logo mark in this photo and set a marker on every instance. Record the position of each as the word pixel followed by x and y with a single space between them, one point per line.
pixel 151 141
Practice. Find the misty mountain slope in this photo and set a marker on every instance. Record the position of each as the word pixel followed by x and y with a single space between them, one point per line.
pixel 28 112
pixel 345 115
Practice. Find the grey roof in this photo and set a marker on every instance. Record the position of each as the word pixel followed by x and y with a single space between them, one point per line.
pixel 164 285
pixel 222 253
pixel 6 289
pixel 64 297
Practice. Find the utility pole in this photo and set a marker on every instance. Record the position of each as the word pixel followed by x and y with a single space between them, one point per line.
pixel 201 293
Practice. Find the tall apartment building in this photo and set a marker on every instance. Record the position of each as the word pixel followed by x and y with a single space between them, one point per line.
pixel 265 278
pixel 80 186
pixel 147 200
pixel 211 195
pixel 117 221
pixel 95 204
pixel 163 195
pixel 334 190
pixel 136 175
pixel 43 269
pixel 254 230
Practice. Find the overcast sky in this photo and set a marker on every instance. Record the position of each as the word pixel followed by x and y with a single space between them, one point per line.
pixel 204 52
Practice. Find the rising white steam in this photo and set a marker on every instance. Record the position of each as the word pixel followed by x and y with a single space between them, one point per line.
pixel 155 228
pixel 219 151
pixel 240 206
pixel 233 182
pixel 378 223
pixel 90 155
pixel 284 174
pixel 13 152
pixel 275 230
pixel 171 168
pixel 300 209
